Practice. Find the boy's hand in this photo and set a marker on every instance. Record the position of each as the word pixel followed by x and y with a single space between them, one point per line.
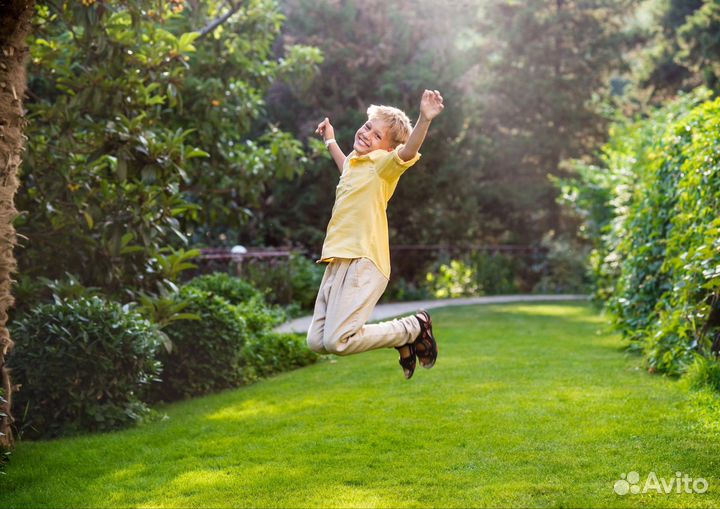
pixel 431 104
pixel 325 129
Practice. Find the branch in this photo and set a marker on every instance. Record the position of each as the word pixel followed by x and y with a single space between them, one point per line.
pixel 222 19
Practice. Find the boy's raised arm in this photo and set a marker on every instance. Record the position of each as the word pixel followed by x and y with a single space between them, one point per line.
pixel 325 129
pixel 431 105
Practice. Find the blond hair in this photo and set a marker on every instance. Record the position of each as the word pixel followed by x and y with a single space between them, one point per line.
pixel 396 120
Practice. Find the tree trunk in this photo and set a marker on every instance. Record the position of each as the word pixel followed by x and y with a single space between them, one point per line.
pixel 14 29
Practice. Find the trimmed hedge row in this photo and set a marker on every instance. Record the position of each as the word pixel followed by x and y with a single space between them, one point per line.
pixel 653 213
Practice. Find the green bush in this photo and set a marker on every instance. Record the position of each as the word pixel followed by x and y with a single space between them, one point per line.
pixel 272 353
pixel 114 174
pixel 474 273
pixel 295 280
pixel 306 276
pixel 206 353
pixel 401 289
pixel 563 268
pixel 249 301
pixel 83 365
pixel 233 289
pixel 656 228
pixel 456 279
pixel 495 273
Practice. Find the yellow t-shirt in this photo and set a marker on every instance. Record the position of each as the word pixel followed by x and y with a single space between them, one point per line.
pixel 358 227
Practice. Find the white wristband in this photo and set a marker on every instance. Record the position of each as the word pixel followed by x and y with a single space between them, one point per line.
pixel 328 142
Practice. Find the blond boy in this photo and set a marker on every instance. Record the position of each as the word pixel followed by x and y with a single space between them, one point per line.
pixel 356 245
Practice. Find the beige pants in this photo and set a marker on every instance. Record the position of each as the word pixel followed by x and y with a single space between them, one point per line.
pixel 349 290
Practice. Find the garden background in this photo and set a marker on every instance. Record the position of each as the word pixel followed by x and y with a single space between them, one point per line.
pixel 163 196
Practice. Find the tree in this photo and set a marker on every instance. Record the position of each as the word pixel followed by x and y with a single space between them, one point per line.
pixel 681 50
pixel 519 79
pixel 148 132
pixel 14 29
pixel 538 67
pixel 382 53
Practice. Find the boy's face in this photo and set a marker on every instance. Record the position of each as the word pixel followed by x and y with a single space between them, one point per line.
pixel 373 135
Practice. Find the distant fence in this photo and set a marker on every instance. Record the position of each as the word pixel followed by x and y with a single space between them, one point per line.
pixel 220 258
pixel 490 248
pixel 408 260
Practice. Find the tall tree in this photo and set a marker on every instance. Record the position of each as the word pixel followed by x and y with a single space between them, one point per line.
pixel 148 130
pixel 539 66
pixel 660 69
pixel 377 52
pixel 14 29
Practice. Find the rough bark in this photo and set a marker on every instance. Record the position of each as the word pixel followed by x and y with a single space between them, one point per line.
pixel 15 16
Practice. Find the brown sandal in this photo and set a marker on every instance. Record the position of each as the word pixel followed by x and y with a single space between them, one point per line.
pixel 407 363
pixel 426 347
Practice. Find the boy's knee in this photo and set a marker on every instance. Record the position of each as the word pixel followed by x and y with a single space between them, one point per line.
pixel 337 345
pixel 315 343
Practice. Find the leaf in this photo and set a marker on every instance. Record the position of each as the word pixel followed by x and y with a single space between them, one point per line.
pixel 196 152
pixel 89 220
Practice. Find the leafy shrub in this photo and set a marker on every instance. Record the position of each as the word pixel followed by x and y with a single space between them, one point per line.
pixel 84 365
pixel 495 273
pixel 272 353
pixel 305 276
pixel 248 300
pixel 259 317
pixel 656 229
pixel 233 289
pixel 401 289
pixel 456 279
pixel 111 149
pixel 293 280
pixel 563 268
pixel 206 353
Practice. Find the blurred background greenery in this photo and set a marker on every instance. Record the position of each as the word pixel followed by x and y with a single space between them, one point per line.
pixel 578 153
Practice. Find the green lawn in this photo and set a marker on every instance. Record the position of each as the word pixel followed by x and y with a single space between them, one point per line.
pixel 528 405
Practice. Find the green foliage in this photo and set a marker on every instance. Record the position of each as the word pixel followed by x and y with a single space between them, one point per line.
pixel 232 289
pixel 229 75
pixel 249 301
pixel 656 253
pixel 305 278
pixel 704 373
pixel 495 274
pixel 683 47
pixel 476 273
pixel 102 176
pixel 519 98
pixel 145 134
pixel 84 365
pixel 377 52
pixel 294 280
pixel 270 353
pixel 400 289
pixel 206 353
pixel 456 279
pixel 230 343
pixel 563 267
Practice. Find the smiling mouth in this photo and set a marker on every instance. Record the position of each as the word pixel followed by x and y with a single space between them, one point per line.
pixel 363 142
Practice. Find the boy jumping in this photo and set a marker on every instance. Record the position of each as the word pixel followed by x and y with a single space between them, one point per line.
pixel 356 245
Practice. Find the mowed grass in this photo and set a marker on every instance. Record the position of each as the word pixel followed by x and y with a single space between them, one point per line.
pixel 528 405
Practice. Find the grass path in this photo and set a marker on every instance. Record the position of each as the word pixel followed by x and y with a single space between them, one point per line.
pixel 528 405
